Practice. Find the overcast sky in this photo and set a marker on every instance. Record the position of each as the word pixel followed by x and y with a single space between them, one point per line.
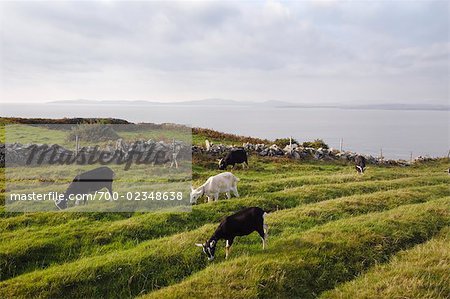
pixel 302 52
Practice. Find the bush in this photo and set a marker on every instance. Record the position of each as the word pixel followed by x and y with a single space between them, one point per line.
pixel 93 132
pixel 282 142
pixel 215 135
pixel 318 143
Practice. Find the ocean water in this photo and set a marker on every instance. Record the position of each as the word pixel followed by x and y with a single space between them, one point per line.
pixel 398 133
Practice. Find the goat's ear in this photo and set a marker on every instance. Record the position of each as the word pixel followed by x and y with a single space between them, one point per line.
pixel 198 245
pixel 192 189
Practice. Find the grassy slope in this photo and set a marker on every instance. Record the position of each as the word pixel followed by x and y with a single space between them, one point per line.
pixel 421 272
pixel 36 246
pixel 169 259
pixel 28 249
pixel 330 226
pixel 303 264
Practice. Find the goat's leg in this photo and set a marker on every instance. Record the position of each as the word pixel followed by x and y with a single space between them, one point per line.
pixel 266 232
pixel 263 236
pixel 228 194
pixel 228 247
pixel 235 191
pixel 110 191
pixel 216 196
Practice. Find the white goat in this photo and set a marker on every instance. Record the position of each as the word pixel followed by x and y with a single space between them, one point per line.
pixel 224 182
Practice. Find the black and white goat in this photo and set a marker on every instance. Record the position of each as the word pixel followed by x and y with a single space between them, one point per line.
pixel 241 223
pixel 360 164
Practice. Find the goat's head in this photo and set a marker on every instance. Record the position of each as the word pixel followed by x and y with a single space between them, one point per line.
pixel 360 169
pixel 61 203
pixel 196 194
pixel 209 248
pixel 222 164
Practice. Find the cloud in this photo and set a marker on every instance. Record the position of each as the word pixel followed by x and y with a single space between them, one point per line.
pixel 297 51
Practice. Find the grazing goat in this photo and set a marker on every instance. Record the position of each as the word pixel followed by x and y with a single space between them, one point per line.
pixel 88 182
pixel 224 182
pixel 235 156
pixel 360 164
pixel 241 223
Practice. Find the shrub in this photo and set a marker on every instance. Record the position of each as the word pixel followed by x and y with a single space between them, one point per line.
pixel 93 132
pixel 282 142
pixel 215 135
pixel 318 143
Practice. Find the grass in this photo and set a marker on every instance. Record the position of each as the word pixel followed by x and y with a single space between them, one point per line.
pixel 304 264
pixel 420 272
pixel 29 249
pixel 168 259
pixel 40 134
pixel 332 233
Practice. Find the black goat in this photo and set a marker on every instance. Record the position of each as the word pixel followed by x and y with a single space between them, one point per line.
pixel 241 223
pixel 235 156
pixel 88 182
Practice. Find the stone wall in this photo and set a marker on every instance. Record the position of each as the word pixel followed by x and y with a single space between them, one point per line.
pixel 160 152
pixel 151 152
pixel 296 152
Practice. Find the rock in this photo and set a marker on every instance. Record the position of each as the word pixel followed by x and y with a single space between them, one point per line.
pixel 295 155
pixel 289 148
pixel 274 150
pixel 264 152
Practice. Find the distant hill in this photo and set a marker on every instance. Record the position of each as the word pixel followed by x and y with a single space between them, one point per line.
pixel 204 102
pixel 103 102
pixel 271 103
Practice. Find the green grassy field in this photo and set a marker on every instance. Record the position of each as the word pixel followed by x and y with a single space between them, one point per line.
pixel 332 234
pixel 40 134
